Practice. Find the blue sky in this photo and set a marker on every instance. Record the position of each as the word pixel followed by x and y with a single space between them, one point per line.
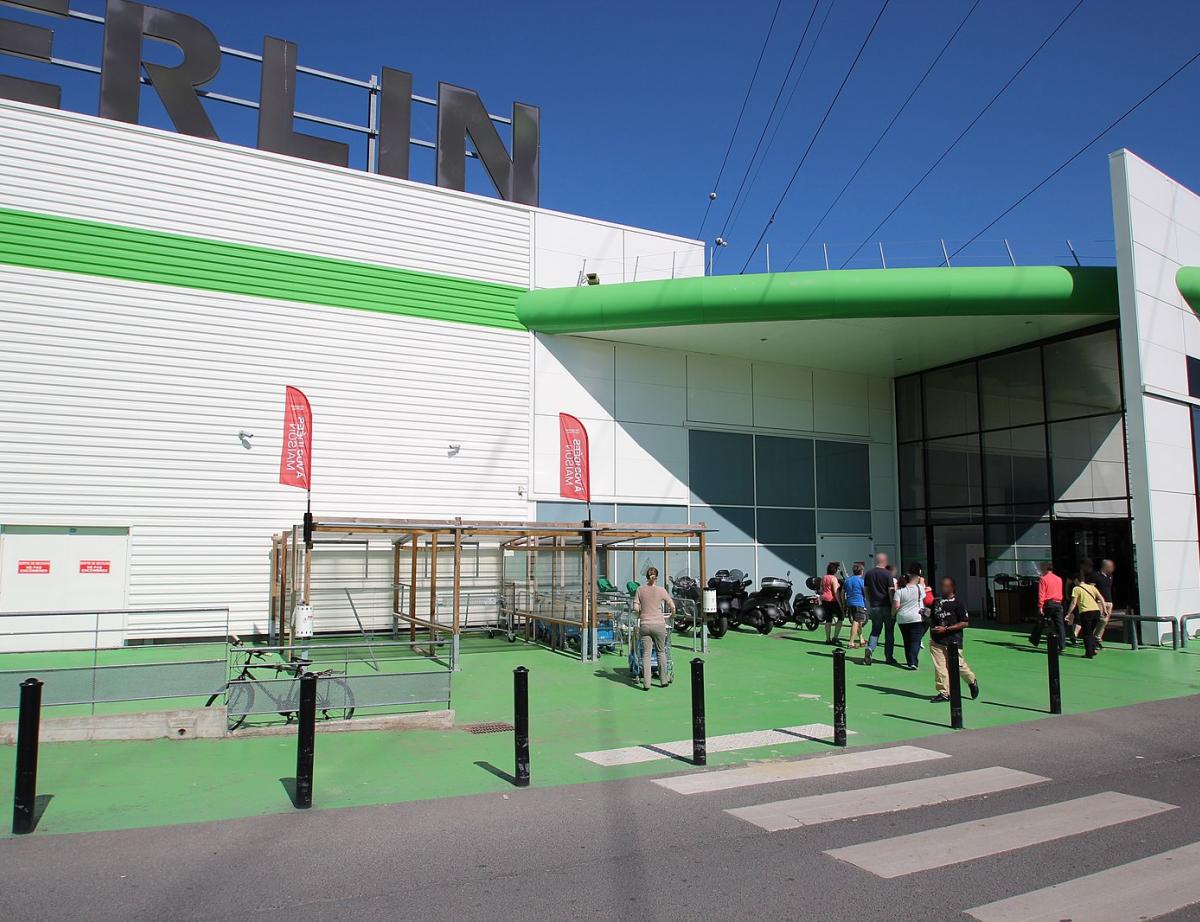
pixel 638 101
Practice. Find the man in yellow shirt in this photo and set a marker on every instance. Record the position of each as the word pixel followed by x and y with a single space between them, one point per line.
pixel 1089 603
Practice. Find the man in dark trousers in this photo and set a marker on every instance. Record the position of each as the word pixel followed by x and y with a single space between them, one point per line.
pixel 1050 607
pixel 1103 581
pixel 880 584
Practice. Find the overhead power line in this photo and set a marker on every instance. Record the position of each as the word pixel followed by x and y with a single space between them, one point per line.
pixel 817 133
pixel 782 117
pixel 1079 153
pixel 962 134
pixel 737 124
pixel 767 124
pixel 883 134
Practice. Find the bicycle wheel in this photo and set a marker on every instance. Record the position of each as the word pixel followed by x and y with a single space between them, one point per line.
pixel 334 694
pixel 239 701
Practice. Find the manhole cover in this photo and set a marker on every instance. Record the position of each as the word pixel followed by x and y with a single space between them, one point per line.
pixel 499 727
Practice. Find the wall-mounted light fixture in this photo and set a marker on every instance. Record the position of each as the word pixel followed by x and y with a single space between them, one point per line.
pixel 453 449
pixel 244 437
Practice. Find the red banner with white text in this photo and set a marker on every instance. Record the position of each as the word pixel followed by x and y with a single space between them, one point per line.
pixel 295 460
pixel 574 472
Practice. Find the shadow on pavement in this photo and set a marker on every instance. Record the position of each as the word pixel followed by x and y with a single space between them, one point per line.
pixel 498 772
pixel 289 785
pixel 917 720
pixel 1014 707
pixel 904 693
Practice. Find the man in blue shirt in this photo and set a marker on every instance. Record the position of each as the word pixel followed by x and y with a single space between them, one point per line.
pixel 856 604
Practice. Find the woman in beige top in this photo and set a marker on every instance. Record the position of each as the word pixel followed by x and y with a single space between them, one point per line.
pixel 649 603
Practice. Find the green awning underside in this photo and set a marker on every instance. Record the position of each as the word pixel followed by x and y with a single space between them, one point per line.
pixel 1018 291
pixel 1188 280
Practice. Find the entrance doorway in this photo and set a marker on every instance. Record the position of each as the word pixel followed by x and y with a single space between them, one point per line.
pixel 1075 540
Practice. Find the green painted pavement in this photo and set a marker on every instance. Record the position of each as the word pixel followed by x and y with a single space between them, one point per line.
pixel 753 683
pixel 40 241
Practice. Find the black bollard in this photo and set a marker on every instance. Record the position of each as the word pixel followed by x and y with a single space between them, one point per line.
pixel 521 724
pixel 956 718
pixel 25 790
pixel 699 736
pixel 306 739
pixel 839 697
pixel 1052 652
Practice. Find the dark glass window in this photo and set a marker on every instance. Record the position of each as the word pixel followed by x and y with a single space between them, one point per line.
pixel 721 468
pixel 1193 373
pixel 843 475
pixel 911 464
pixel 1010 389
pixel 951 401
pixel 953 471
pixel 785 471
pixel 1015 467
pixel 787 526
pixel 908 408
pixel 1083 376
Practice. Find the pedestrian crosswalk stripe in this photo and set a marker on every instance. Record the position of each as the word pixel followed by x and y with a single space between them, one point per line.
pixel 887 798
pixel 855 760
pixel 1145 889
pixel 631 755
pixel 937 848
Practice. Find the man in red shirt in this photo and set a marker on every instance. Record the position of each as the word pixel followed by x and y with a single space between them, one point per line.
pixel 1050 606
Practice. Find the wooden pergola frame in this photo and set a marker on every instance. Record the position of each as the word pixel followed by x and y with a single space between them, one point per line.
pixel 291 561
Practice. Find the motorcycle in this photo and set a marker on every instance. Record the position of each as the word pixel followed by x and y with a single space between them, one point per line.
pixel 768 607
pixel 730 587
pixel 807 610
pixel 685 592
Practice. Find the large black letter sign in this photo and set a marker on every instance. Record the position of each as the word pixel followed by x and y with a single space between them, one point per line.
pixel 461 112
pixel 277 105
pixel 125 23
pixel 25 41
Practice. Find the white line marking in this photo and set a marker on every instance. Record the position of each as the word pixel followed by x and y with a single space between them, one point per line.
pixel 631 755
pixel 938 848
pixel 887 798
pixel 1145 889
pixel 767 772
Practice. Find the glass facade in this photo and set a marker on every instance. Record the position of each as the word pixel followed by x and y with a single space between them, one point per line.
pixel 994 451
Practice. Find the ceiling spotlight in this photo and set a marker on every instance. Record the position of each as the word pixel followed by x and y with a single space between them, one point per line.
pixel 721 242
pixel 712 196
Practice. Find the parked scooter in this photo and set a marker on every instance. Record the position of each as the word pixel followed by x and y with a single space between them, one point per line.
pixel 807 609
pixel 730 587
pixel 768 607
pixel 685 591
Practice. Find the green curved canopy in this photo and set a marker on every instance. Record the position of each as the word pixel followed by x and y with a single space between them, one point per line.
pixel 821 295
pixel 1188 280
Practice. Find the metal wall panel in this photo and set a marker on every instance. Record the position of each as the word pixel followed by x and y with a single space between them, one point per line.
pixel 101 170
pixel 121 404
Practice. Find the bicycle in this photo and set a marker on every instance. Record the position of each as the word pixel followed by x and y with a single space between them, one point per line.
pixel 240 692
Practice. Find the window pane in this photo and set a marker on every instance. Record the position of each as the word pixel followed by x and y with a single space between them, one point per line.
pixel 951 401
pixel 908 408
pixel 911 460
pixel 573 512
pixel 1015 464
pixel 786 526
pixel 1089 458
pixel 652 515
pixel 785 471
pixel 843 475
pixel 721 557
pixel 962 514
pixel 734 524
pixel 954 471
pixel 722 468
pixel 958 552
pixel 912 545
pixel 1082 376
pixel 1011 389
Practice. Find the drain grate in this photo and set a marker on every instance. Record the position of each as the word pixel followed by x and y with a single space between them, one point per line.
pixel 499 727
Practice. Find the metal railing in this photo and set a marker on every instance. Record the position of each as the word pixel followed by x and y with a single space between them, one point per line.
pixel 1132 622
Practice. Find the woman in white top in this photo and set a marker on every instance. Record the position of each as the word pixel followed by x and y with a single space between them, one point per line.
pixel 907 604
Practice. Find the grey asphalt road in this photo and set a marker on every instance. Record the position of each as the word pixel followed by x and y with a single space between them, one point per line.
pixel 631 849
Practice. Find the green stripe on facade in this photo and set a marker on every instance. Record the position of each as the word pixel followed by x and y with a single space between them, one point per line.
pixel 1188 281
pixel 842 294
pixel 39 241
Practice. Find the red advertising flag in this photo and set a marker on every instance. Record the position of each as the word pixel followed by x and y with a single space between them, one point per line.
pixel 295 461
pixel 574 470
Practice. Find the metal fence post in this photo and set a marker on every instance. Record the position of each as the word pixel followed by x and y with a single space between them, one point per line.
pixel 521 724
pixel 839 697
pixel 1052 652
pixel 306 739
pixel 25 788
pixel 699 734
pixel 956 715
